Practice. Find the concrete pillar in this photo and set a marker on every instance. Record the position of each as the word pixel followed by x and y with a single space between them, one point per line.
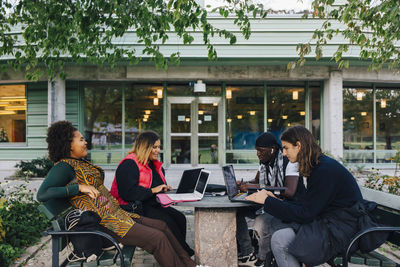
pixel 333 114
pixel 215 237
pixel 56 100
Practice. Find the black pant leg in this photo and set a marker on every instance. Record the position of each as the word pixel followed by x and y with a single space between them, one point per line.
pixel 179 219
pixel 160 213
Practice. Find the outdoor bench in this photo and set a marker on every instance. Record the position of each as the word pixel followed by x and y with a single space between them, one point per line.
pixel 387 213
pixel 55 210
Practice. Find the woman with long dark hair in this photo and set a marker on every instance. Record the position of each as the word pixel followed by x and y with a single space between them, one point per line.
pixel 140 177
pixel 316 226
pixel 81 182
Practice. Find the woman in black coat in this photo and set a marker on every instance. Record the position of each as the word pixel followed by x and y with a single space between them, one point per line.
pixel 315 227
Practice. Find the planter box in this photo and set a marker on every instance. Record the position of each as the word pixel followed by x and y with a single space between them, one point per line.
pixel 383 198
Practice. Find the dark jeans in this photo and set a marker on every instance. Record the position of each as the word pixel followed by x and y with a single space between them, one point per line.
pixel 245 246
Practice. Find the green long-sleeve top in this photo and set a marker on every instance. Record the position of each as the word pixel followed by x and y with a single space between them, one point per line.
pixel 55 185
pixel 62 182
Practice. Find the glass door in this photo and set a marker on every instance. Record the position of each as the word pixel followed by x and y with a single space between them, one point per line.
pixel 193 130
pixel 208 130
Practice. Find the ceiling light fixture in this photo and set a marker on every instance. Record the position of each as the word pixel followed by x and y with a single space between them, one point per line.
pixel 228 94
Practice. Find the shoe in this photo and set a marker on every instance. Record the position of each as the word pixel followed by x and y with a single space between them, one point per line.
pixel 248 260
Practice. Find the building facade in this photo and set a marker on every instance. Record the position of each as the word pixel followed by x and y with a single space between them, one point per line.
pixel 353 113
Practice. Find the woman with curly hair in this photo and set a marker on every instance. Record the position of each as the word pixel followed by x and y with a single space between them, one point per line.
pixel 81 182
pixel 316 226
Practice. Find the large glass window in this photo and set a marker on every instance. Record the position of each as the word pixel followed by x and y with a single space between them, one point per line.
pixel 103 117
pixel 357 125
pixel 143 111
pixel 244 122
pixel 387 124
pixel 12 114
pixel 286 107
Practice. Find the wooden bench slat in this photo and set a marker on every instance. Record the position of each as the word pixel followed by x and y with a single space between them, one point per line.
pixel 385 262
pixel 74 264
pixel 357 259
pixel 369 259
pixel 354 259
pixel 90 264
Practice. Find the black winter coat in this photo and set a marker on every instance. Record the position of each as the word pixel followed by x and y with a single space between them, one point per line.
pixel 326 237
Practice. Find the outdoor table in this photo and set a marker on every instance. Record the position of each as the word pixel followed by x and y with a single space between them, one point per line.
pixel 215 230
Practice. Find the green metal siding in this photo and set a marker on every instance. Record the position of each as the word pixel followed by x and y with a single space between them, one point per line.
pixel 36 119
pixel 273 37
pixel 21 153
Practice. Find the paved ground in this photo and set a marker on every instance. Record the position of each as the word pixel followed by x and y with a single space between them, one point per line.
pixel 41 253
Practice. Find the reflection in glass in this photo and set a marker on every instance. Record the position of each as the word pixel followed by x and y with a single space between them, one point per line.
pixel 315 116
pixel 208 118
pixel 180 118
pixel 357 124
pixel 140 112
pixel 387 124
pixel 286 107
pixel 244 116
pixel 242 157
pixel 208 150
pixel 12 113
pixel 103 117
pixel 180 149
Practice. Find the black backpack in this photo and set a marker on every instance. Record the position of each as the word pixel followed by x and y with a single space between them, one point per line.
pixel 85 245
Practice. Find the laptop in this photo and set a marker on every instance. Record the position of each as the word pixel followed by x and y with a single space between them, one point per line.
pixel 188 181
pixel 232 189
pixel 198 191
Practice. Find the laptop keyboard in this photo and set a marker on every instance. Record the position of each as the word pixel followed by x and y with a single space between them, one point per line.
pixel 183 197
pixel 241 196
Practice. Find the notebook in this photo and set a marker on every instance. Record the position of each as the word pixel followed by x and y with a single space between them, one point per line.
pixel 198 192
pixel 188 181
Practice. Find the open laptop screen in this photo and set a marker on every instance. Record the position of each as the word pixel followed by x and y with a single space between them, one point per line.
pixel 230 180
pixel 201 184
pixel 188 181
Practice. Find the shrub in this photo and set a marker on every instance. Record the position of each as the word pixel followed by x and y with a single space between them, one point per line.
pixel 35 168
pixel 387 183
pixel 21 224
pixel 8 253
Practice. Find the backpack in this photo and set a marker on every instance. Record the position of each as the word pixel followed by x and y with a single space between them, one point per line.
pixel 86 247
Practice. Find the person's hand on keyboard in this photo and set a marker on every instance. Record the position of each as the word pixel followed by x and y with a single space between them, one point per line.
pixel 161 188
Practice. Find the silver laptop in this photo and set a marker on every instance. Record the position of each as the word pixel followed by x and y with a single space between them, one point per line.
pixel 198 193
